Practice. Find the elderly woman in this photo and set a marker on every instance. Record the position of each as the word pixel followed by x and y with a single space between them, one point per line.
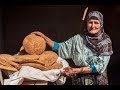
pixel 90 51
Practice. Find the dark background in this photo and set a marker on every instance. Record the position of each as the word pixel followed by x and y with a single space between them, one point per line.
pixel 59 22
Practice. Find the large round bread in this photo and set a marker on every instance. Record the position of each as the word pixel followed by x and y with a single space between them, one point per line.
pixel 34 44
pixel 48 58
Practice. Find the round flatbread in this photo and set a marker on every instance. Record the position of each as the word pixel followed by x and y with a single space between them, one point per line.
pixel 34 44
pixel 48 58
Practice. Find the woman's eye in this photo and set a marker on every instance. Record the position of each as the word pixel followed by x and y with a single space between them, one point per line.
pixel 90 22
pixel 93 22
pixel 96 22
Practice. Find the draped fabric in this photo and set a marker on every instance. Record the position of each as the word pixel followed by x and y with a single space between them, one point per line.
pixel 100 42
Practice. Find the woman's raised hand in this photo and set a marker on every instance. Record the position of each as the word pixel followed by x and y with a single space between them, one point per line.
pixel 38 33
pixel 48 40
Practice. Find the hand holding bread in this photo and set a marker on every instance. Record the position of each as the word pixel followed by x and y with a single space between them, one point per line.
pixel 35 55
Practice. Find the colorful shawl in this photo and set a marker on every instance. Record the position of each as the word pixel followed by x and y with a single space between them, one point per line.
pixel 100 42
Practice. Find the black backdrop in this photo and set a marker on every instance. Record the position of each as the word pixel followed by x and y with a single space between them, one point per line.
pixel 59 22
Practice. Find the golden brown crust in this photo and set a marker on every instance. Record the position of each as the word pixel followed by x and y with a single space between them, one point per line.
pixel 6 57
pixel 3 62
pixel 16 65
pixel 8 60
pixel 35 65
pixel 34 44
pixel 21 61
pixel 48 58
pixel 27 57
pixel 9 68
pixel 56 65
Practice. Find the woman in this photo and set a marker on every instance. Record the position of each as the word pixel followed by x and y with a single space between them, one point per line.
pixel 90 51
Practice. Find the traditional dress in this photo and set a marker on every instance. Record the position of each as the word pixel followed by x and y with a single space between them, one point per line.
pixel 88 50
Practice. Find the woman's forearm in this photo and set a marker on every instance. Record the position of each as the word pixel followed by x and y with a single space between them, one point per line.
pixel 85 70
pixel 82 70
pixel 71 71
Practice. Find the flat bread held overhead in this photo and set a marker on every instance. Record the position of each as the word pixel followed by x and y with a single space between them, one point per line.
pixel 34 44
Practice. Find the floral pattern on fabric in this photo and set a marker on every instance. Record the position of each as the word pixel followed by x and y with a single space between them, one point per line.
pixel 90 79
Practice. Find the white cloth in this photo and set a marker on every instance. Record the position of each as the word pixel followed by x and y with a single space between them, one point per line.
pixel 17 78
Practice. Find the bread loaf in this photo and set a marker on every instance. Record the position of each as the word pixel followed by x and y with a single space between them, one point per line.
pixel 9 68
pixel 3 62
pixel 48 58
pixel 56 65
pixel 27 57
pixel 44 68
pixel 9 59
pixel 35 65
pixel 6 57
pixel 34 44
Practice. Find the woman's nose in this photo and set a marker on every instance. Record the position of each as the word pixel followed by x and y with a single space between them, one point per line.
pixel 93 25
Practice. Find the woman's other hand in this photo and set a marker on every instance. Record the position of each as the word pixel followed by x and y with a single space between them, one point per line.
pixel 69 71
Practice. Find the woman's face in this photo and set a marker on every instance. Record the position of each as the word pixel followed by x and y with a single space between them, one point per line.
pixel 93 26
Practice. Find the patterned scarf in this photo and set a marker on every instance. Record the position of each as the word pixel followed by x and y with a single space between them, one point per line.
pixel 100 42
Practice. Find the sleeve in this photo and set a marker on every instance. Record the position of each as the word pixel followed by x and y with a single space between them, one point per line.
pixel 56 46
pixel 100 63
pixel 93 68
pixel 66 48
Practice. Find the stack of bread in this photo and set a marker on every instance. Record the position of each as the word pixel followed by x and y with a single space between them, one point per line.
pixel 32 53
